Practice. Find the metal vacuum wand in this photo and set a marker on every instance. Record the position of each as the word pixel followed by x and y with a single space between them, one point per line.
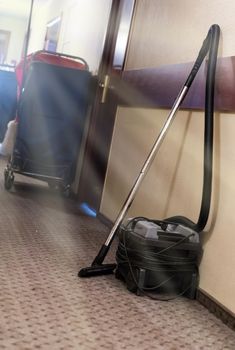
pixel 97 268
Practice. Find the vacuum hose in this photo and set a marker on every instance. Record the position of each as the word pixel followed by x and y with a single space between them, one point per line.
pixel 210 44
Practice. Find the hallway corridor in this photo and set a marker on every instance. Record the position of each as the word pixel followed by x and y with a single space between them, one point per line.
pixel 44 305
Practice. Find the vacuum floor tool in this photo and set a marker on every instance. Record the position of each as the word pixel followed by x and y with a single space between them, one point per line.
pixel 173 237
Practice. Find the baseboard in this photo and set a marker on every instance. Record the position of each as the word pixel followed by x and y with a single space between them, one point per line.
pixel 216 308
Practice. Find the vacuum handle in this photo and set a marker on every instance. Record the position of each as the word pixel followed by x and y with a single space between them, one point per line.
pixel 103 252
pixel 202 54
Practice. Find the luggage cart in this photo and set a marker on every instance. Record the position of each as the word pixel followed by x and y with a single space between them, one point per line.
pixel 51 115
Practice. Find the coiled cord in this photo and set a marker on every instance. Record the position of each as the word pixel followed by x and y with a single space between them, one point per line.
pixel 163 262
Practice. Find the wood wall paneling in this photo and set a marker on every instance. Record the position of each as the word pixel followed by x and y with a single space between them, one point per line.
pixel 158 87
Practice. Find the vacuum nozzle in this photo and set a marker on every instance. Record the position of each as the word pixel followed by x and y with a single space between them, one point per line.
pixel 97 270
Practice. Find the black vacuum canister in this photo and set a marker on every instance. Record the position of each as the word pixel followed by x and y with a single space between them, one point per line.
pixel 159 259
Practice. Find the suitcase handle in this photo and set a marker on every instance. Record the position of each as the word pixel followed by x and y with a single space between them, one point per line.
pixel 59 54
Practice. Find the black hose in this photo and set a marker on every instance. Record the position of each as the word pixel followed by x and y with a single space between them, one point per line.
pixel 210 45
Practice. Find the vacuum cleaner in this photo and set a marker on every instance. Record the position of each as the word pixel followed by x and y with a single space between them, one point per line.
pixel 163 255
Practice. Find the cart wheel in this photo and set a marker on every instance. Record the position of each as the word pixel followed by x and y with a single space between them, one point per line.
pixel 8 179
pixel 66 191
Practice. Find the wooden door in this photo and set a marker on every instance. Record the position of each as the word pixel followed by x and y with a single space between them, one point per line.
pixel 105 104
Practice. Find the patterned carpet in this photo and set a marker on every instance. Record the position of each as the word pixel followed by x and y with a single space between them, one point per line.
pixel 44 241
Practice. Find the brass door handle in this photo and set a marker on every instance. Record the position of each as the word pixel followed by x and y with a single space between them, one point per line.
pixel 105 86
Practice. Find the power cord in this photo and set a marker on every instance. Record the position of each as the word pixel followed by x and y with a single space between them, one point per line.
pixel 155 261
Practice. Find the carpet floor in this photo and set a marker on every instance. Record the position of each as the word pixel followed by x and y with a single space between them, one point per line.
pixel 44 241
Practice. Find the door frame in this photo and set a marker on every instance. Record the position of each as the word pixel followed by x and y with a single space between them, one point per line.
pixel 103 115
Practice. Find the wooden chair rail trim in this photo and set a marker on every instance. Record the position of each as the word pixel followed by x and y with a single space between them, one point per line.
pixel 158 87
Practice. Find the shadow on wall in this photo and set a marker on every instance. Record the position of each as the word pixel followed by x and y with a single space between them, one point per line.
pixel 174 176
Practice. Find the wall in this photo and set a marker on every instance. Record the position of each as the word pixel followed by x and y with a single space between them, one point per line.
pixel 166 32
pixel 17 27
pixel 83 27
pixel 38 26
